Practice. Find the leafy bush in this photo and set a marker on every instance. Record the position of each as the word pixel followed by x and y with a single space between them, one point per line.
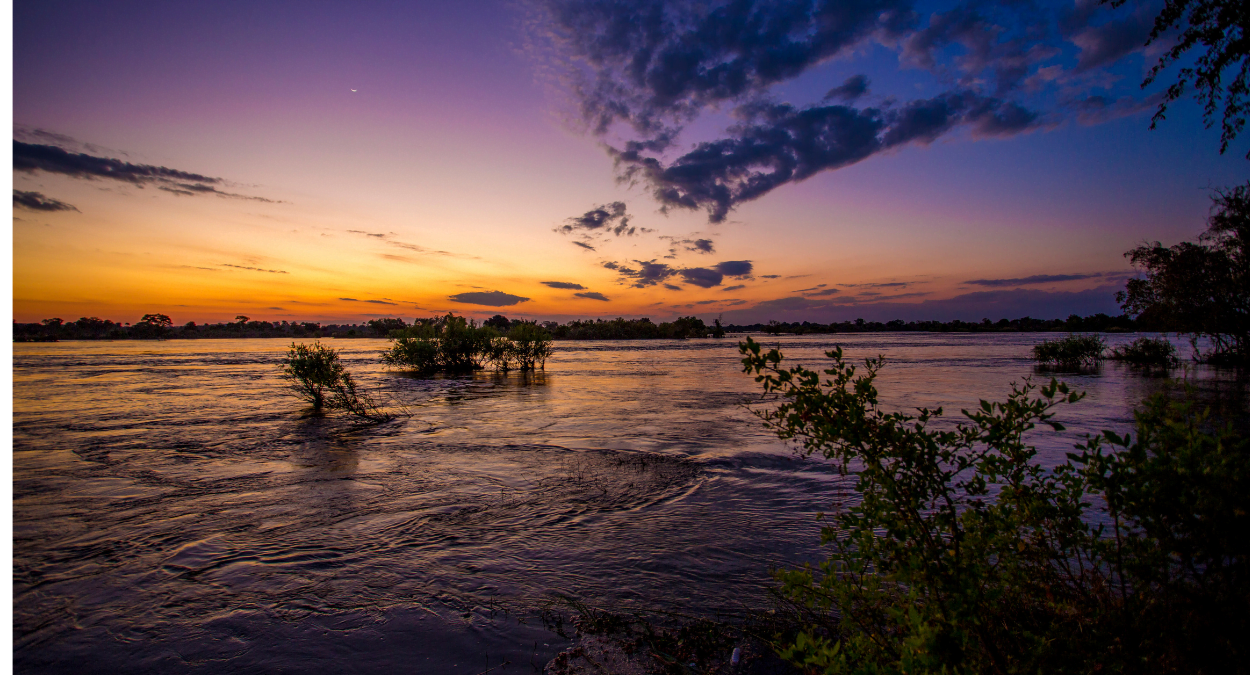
pixel 528 346
pixel 1146 351
pixel 1072 351
pixel 451 343
pixel 455 344
pixel 962 554
pixel 317 375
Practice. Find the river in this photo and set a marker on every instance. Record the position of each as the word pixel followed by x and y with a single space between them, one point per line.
pixel 177 510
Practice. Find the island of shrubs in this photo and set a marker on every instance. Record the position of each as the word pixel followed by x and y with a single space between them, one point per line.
pixel 1082 351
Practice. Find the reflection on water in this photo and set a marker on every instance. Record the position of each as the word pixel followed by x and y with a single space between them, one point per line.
pixel 176 510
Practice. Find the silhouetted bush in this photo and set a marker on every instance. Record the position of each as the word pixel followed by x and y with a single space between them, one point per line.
pixel 960 552
pixel 1072 351
pixel 1146 351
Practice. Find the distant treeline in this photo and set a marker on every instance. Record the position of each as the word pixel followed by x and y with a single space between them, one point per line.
pixel 160 327
pixel 1097 323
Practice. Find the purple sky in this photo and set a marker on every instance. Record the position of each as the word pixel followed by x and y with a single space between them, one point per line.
pixel 818 161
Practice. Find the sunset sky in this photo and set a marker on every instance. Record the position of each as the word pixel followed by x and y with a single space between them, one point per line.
pixel 574 159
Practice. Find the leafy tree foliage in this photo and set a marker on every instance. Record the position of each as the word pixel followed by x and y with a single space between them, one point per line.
pixel 1201 289
pixel 316 375
pixel 1222 29
pixel 961 553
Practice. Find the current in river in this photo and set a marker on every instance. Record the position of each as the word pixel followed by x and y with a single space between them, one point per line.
pixel 177 510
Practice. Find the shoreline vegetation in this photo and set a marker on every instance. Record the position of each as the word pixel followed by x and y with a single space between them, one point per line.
pixel 160 327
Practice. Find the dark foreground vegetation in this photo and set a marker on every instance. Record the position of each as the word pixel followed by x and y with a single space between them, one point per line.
pixel 963 554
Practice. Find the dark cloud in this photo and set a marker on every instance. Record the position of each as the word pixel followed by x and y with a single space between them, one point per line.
pixel 888 284
pixel 656 63
pixel 702 277
pixel 1109 42
pixel 378 235
pixel 850 90
pixel 35 135
pixel 827 291
pixel 776 144
pixel 376 302
pixel 34 157
pixel 1098 109
pixel 591 295
pixel 193 189
pixel 998 43
pixel 672 287
pixel 584 245
pixel 735 268
pixel 770 276
pixel 565 285
pixel 701 245
pixel 648 273
pixel 488 298
pixel 732 288
pixel 643 71
pixel 38 202
pixel 1035 279
pixel 254 269
pixel 607 218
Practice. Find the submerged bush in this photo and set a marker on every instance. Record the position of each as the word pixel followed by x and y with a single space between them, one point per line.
pixel 455 344
pixel 317 375
pixel 1146 351
pixel 1072 351
pixel 528 347
pixel 964 554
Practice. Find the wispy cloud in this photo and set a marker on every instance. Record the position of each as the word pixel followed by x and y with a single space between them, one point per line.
pixel 36 201
pixel 34 158
pixel 253 269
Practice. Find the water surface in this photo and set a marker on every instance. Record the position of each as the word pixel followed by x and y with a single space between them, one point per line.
pixel 176 510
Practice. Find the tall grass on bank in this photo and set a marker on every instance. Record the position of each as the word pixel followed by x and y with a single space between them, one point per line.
pixel 316 375
pixel 1073 351
pixel 965 554
pixel 457 345
pixel 1145 351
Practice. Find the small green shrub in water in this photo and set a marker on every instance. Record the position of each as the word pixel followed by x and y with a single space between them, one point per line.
pixel 1146 351
pixel 317 375
pixel 961 553
pixel 1072 351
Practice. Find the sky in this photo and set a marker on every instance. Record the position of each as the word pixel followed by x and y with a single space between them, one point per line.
pixel 572 159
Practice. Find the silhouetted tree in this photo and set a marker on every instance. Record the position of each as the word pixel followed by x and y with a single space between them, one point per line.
pixel 1202 289
pixel 1222 28
pixel 383 327
pixel 499 322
